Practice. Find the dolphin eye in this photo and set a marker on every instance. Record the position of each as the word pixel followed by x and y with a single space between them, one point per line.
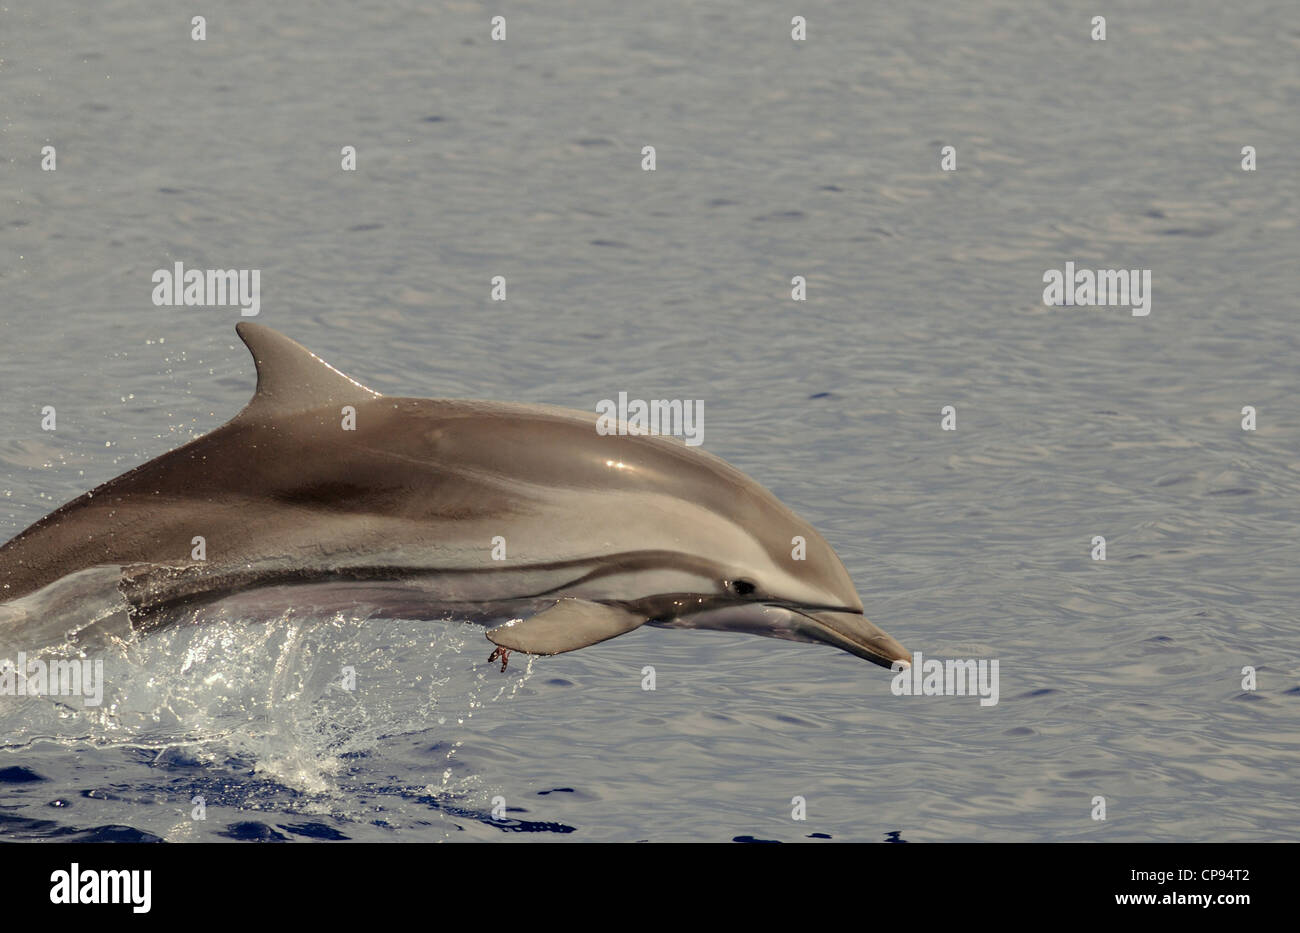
pixel 741 587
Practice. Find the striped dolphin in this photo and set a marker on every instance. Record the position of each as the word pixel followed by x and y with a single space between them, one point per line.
pixel 323 491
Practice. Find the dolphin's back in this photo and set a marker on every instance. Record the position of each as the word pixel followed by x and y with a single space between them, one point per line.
pixel 434 477
pixel 320 475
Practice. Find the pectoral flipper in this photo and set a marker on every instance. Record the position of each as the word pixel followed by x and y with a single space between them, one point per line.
pixel 566 626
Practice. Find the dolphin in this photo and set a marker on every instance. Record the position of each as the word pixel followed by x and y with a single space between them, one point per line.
pixel 323 492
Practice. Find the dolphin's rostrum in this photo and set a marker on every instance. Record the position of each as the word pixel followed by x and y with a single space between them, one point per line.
pixel 324 489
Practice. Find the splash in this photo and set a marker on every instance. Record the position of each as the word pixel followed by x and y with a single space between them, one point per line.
pixel 295 699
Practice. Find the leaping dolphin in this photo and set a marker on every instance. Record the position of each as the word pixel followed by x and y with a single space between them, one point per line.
pixel 437 506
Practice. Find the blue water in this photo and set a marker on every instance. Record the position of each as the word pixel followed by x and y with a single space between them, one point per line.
pixel 1119 679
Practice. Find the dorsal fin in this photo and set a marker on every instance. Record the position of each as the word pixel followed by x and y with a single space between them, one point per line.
pixel 290 378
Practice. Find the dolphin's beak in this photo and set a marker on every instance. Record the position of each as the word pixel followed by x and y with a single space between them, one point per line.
pixel 851 632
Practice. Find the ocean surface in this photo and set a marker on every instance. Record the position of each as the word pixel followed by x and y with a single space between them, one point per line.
pixel 775 158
